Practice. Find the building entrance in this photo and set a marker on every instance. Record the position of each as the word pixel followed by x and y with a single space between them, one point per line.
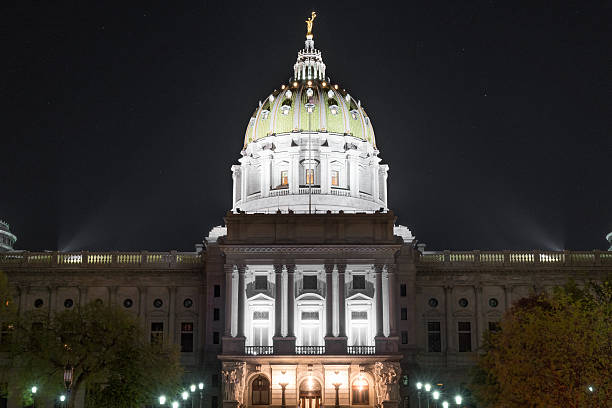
pixel 310 394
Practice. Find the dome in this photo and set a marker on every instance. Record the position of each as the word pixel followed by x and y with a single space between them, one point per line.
pixel 309 147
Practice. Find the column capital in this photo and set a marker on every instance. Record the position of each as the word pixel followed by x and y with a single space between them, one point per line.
pixel 278 268
pixel 378 268
pixel 290 268
pixel 329 268
pixel 241 268
pixel 341 267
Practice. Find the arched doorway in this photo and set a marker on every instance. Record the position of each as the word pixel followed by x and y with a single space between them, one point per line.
pixel 260 391
pixel 310 393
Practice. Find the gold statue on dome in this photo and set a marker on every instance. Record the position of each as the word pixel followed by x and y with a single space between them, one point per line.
pixel 309 24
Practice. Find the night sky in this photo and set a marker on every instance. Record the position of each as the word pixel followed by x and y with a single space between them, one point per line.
pixel 120 121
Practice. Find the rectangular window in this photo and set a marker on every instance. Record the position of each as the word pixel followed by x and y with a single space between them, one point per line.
pixel 403 290
pixel 310 315
pixel 465 336
pixel 260 336
pixel 309 176
pixel 261 315
pixel 215 337
pixel 187 337
pixel 310 335
pixel 404 313
pixel 216 313
pixel 404 337
pixel 359 335
pixel 434 337
pixel 359 282
pixel 494 327
pixel 217 291
pixel 335 178
pixel 261 282
pixel 284 178
pixel 157 332
pixel 359 315
pixel 310 282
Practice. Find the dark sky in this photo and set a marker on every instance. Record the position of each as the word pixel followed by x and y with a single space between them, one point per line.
pixel 120 121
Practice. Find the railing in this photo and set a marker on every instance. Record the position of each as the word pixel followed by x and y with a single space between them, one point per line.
pixel 279 192
pixel 97 259
pixel 311 350
pixel 313 190
pixel 363 350
pixel 340 192
pixel 258 350
pixel 543 258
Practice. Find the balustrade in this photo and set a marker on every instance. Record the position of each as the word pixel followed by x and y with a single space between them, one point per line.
pixel 258 350
pixel 310 350
pixel 361 350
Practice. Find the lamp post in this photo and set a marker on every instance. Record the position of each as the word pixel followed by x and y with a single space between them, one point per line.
pixel 427 389
pixel 445 404
pixel 337 383
pixel 68 375
pixel 419 385
pixel 62 399
pixel 458 400
pixel 175 404
pixel 436 395
pixel 34 389
pixel 283 383
pixel 162 400
pixel 201 388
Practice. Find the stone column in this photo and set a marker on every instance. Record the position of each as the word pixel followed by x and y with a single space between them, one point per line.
pixel 265 175
pixel 244 179
pixel 229 269
pixel 378 297
pixel 353 173
pixel 329 305
pixel 172 313
pixel 393 289
pixel 278 299
pixel 325 175
pixel 448 299
pixel 294 174
pixel 479 315
pixel 290 300
pixel 341 301
pixel 241 300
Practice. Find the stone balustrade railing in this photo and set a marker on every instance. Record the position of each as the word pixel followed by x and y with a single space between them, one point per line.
pixel 492 258
pixel 93 259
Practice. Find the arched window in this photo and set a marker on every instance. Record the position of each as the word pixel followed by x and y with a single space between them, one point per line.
pixel 260 391
pixel 360 391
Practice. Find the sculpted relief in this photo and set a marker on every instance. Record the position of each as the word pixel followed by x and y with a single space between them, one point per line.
pixel 234 378
pixel 387 376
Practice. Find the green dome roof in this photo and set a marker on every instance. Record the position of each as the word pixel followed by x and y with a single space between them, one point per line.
pixel 284 111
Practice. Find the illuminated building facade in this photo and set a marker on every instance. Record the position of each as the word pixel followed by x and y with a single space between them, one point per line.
pixel 310 294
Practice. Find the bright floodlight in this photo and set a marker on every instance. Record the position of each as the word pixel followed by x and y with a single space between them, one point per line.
pixel 62 398
pixel 427 387
pixel 445 404
pixel 436 395
pixel 184 395
pixel 419 385
pixel 458 399
pixel 175 404
pixel 192 388
pixel 162 400
pixel 34 389
pixel 590 388
pixel 201 386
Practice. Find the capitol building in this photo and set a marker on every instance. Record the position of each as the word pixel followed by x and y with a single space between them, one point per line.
pixel 310 294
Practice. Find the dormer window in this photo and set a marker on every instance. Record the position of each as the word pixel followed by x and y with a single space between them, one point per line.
pixel 285 109
pixel 354 114
pixel 309 176
pixel 333 109
pixel 284 178
pixel 335 178
pixel 265 113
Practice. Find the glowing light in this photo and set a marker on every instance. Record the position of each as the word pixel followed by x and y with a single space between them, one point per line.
pixel 361 382
pixel 271 98
pixel 309 92
pixel 282 86
pixel 445 404
pixel 428 387
pixel 162 400
pixel 590 388
pixel 184 395
pixel 324 83
pixel 330 94
pixel 419 385
pixel 336 86
pixel 62 398
pixel 192 387
pixel 436 395
pixel 175 404
pixel 458 399
pixel 295 84
pixel 288 93
pixel 348 97
pixel 309 83
pixel 34 389
pixel 201 386
pixel 283 381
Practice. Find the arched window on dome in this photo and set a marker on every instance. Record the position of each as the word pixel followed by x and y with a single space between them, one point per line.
pixel 360 391
pixel 260 391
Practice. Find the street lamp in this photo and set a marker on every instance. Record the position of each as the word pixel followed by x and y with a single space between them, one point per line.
pixel 419 385
pixel 445 404
pixel 162 400
pixel 201 388
pixel 427 389
pixel 283 383
pixel 458 399
pixel 175 404
pixel 337 383
pixel 34 389
pixel 184 395
pixel 63 399
pixel 436 395
pixel 590 388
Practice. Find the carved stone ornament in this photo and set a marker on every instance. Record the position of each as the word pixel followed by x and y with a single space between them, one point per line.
pixel 234 379
pixel 387 376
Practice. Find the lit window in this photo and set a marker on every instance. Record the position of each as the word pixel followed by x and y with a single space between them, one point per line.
pixel 361 392
pixel 335 178
pixel 187 337
pixel 309 176
pixel 261 322
pixel 284 178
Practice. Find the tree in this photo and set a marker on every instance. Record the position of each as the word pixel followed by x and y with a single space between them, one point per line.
pixel 112 358
pixel 553 350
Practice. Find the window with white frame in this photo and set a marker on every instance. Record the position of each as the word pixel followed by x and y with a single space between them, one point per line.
pixel 284 178
pixel 335 178
pixel 310 327
pixel 359 328
pixel 260 328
